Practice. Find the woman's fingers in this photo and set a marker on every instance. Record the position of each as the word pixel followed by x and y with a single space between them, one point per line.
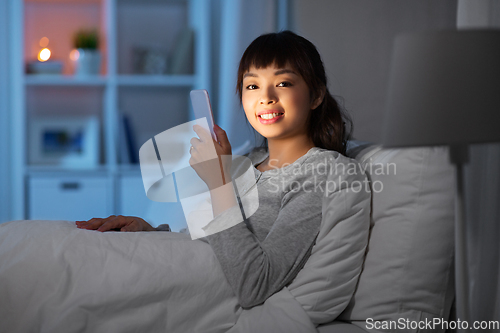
pixel 222 137
pixel 91 224
pixel 100 224
pixel 132 226
pixel 194 142
pixel 112 223
pixel 206 137
pixel 202 133
pixel 136 224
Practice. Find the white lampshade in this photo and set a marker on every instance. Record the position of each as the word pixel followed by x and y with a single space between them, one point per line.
pixel 444 88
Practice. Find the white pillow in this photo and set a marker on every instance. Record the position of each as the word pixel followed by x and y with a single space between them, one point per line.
pixel 328 279
pixel 408 270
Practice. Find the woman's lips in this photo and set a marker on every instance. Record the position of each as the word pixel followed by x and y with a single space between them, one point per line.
pixel 272 120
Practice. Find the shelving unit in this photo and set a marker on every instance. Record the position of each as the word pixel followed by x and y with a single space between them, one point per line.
pixel 153 103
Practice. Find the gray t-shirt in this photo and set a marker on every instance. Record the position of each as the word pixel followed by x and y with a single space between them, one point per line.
pixel 262 255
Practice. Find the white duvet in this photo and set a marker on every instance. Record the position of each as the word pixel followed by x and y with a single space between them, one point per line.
pixel 55 278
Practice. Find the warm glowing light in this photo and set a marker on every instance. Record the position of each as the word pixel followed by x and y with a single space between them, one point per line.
pixel 44 54
pixel 44 42
pixel 74 55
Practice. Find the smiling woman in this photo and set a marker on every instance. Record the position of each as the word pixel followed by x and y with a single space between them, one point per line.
pixel 283 90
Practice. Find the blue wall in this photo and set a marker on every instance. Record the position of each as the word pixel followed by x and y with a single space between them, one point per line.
pixel 4 114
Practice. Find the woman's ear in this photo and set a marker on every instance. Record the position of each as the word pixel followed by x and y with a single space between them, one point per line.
pixel 318 100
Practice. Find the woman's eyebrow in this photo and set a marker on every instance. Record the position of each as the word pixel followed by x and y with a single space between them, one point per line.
pixel 250 74
pixel 284 71
pixel 278 72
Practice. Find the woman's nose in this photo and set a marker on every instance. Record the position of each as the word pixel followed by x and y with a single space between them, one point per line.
pixel 268 96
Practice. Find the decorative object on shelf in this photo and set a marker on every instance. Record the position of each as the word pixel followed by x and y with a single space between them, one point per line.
pixel 86 55
pixel 182 58
pixel 149 60
pixel 129 154
pixel 46 67
pixel 43 65
pixel 71 142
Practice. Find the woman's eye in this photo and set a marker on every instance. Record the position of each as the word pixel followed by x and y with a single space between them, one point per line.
pixel 251 87
pixel 284 84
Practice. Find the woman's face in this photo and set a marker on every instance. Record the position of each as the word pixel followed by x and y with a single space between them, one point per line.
pixel 276 101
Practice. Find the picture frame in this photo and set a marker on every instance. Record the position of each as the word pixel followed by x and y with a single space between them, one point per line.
pixel 71 142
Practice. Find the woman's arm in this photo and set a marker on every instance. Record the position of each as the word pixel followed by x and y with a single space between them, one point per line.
pixel 257 265
pixel 255 269
pixel 223 198
pixel 258 269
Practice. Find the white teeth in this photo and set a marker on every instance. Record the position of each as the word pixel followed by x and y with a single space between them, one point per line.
pixel 269 115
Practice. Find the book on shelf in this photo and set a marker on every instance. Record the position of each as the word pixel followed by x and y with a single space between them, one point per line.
pixel 129 153
pixel 182 58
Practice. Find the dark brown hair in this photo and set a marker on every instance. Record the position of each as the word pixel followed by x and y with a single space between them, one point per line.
pixel 329 125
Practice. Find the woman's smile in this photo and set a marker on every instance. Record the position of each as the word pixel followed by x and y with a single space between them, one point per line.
pixel 270 116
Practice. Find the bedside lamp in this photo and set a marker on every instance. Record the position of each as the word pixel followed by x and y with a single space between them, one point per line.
pixel 444 89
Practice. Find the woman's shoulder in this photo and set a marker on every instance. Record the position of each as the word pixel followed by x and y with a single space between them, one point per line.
pixel 331 163
pixel 317 154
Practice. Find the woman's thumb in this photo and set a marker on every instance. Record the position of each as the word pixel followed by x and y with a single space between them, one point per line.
pixel 218 129
pixel 222 136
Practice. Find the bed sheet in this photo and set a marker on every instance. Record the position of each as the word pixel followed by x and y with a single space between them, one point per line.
pixel 55 278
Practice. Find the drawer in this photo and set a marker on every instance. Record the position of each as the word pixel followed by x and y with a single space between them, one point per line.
pixel 69 198
pixel 134 202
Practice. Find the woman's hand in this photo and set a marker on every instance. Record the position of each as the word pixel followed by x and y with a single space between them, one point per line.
pixel 117 223
pixel 203 161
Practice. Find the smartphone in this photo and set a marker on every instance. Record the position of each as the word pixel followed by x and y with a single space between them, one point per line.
pixel 202 108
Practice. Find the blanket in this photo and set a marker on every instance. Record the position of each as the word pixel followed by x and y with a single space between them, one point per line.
pixel 55 278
